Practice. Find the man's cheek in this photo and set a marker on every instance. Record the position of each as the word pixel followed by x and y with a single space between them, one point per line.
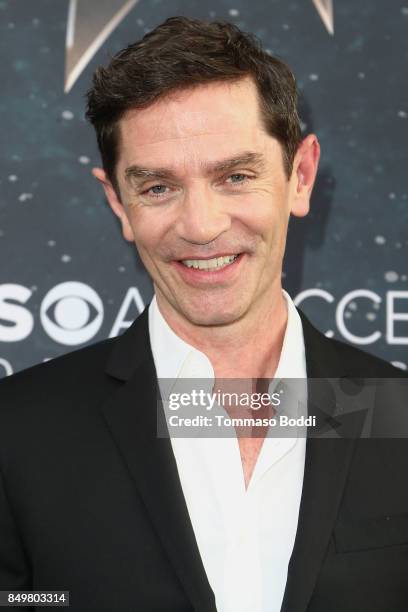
pixel 149 254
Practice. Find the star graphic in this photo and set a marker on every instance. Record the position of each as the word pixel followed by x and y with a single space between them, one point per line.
pixel 91 22
pixel 325 10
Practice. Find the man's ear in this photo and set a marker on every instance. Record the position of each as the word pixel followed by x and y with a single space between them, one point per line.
pixel 304 174
pixel 114 202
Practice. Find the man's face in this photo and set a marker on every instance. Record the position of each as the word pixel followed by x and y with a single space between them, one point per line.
pixel 211 235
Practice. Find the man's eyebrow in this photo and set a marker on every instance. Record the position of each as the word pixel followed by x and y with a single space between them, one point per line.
pixel 247 157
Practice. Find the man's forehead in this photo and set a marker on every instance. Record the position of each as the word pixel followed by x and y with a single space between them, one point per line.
pixel 205 110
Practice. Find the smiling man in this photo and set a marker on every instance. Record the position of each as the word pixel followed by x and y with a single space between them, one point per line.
pixel 203 163
pixel 205 196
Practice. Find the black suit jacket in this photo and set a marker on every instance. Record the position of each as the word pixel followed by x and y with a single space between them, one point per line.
pixel 90 499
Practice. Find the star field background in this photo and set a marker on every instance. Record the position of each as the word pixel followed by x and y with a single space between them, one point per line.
pixel 55 225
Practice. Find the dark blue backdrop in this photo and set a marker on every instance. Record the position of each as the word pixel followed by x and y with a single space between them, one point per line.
pixel 347 260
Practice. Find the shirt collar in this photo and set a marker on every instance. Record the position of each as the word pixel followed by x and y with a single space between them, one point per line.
pixel 176 358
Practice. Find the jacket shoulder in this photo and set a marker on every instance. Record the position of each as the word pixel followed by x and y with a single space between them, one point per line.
pixel 76 373
pixel 336 357
pixel 360 362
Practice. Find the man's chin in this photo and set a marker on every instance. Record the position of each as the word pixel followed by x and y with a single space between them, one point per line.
pixel 212 316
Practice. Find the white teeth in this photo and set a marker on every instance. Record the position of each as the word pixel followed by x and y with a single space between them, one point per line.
pixel 209 264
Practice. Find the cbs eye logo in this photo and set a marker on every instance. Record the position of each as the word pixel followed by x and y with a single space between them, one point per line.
pixel 71 313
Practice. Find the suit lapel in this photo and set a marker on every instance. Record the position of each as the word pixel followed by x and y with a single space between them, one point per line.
pixel 131 417
pixel 326 467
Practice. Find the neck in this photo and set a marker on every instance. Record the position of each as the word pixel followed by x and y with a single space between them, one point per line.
pixel 244 348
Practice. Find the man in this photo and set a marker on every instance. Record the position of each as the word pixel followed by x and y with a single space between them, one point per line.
pixel 203 163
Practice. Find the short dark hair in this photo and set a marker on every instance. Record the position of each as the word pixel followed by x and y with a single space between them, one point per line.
pixel 181 53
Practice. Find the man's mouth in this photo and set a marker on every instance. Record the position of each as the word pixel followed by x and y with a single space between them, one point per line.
pixel 216 263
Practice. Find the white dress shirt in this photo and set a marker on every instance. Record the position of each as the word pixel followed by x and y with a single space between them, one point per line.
pixel 245 536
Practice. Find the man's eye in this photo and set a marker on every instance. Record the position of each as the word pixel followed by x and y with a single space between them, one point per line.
pixel 243 177
pixel 155 194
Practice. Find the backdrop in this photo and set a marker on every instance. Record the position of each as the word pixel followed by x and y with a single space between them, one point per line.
pixel 68 278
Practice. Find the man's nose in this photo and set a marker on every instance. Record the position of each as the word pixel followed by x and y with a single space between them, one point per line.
pixel 202 216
